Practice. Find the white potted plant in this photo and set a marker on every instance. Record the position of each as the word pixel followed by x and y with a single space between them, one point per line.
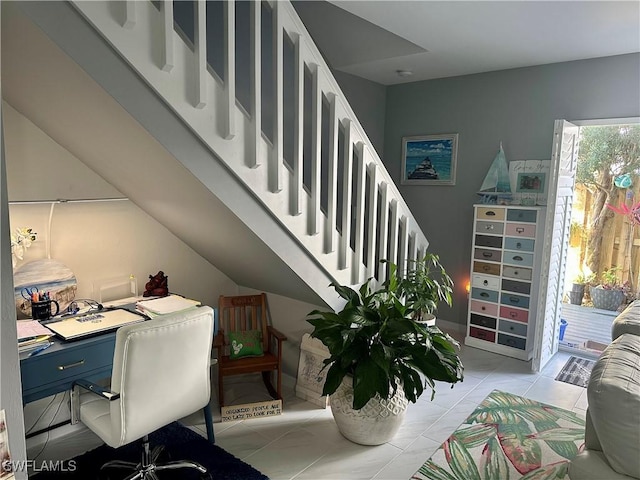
pixel 380 356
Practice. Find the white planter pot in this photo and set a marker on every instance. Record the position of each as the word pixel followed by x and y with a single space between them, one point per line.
pixel 375 423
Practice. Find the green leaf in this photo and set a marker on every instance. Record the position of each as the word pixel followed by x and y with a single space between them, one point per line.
pixel 460 460
pixel 476 435
pixel 369 379
pixel 493 461
pixel 335 374
pixel 434 471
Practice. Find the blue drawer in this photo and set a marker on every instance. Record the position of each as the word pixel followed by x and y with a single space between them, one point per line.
pixel 518 258
pixel 513 342
pixel 514 300
pixel 56 370
pixel 483 294
pixel 517 215
pixel 520 244
pixel 513 328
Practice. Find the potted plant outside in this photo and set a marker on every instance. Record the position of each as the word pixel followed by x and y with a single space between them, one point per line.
pixel 576 294
pixel 609 294
pixel 380 357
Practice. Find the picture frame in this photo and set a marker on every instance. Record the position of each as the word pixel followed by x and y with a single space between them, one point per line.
pixel 531 182
pixel 429 159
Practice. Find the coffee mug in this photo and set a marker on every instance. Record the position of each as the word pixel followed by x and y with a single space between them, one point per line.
pixel 42 310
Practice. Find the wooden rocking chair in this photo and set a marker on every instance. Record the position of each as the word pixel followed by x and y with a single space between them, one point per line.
pixel 242 314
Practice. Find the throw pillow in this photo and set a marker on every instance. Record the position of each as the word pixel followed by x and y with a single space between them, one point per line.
pixel 245 344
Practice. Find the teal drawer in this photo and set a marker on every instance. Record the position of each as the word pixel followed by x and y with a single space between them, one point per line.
pixel 57 370
pixel 483 294
pixel 518 258
pixel 517 215
pixel 514 328
pixel 514 300
pixel 520 244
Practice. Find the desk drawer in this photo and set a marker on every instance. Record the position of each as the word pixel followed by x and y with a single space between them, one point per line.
pixel 521 244
pixel 484 308
pixel 521 230
pixel 485 295
pixel 513 342
pixel 507 298
pixel 514 314
pixel 68 364
pixel 513 328
pixel 517 258
pixel 482 334
pixel 485 281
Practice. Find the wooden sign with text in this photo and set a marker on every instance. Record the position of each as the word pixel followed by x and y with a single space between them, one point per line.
pixel 251 410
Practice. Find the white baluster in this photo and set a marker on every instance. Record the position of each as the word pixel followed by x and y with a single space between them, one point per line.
pixel 230 68
pixel 129 15
pixel 383 240
pixel 201 54
pixel 332 177
pixel 345 239
pixel 278 136
pixel 393 232
pixel 372 214
pixel 316 144
pixel 167 12
pixel 298 129
pixel 256 83
pixel 359 213
pixel 403 245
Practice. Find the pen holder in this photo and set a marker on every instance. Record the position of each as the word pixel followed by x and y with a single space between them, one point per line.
pixel 42 310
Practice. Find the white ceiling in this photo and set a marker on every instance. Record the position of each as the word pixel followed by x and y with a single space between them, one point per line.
pixel 436 39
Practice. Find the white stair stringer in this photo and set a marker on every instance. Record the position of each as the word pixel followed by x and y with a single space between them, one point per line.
pixel 202 101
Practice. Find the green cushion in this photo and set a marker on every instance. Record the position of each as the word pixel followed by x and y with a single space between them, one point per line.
pixel 245 344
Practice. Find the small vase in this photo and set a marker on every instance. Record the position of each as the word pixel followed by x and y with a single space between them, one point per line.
pixel 606 299
pixel 576 294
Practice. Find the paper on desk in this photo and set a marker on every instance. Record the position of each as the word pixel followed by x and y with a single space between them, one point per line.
pixel 31 328
pixel 164 305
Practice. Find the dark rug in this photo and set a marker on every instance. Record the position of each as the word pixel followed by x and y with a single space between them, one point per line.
pixel 180 444
pixel 576 371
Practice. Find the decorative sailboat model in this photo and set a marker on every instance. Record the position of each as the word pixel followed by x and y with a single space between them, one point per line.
pixel 496 184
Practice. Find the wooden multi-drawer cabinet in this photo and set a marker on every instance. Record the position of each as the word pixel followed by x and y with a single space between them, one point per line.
pixel 505 272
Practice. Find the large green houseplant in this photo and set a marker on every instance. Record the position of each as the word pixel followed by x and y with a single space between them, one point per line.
pixel 377 346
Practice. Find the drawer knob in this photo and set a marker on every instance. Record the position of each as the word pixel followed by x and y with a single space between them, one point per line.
pixel 487 254
pixel 483 308
pixel 485 282
pixel 491 214
pixel 488 227
pixel 519 229
pixel 486 268
pixel 513 314
pixel 484 294
pixel 71 365
pixel 518 245
pixel 518 258
pixel 514 299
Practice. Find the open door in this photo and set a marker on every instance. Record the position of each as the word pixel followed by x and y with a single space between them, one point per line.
pixel 564 158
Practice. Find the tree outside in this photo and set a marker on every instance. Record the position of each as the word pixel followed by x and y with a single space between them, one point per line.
pixel 608 175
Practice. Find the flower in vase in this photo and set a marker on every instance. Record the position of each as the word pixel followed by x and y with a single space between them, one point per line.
pixel 20 241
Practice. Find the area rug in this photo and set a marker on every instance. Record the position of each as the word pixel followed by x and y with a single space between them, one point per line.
pixel 508 437
pixel 180 444
pixel 576 371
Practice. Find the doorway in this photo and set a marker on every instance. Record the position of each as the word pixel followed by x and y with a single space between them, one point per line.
pixel 604 245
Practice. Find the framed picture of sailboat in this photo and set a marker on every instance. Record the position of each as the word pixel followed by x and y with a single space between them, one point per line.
pixel 429 159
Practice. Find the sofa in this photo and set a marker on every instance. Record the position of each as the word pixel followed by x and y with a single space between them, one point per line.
pixel 612 429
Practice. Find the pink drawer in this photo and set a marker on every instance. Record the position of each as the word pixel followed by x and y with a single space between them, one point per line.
pixel 514 314
pixel 521 230
pixel 484 308
pixel 482 334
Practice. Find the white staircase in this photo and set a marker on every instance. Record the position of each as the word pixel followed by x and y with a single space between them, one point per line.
pixel 298 148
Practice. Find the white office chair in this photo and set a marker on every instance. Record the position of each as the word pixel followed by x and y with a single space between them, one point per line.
pixel 160 375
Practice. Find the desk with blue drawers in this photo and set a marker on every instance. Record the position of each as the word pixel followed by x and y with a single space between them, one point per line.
pixel 55 369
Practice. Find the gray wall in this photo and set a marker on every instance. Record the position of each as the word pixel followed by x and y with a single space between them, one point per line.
pixel 517 107
pixel 368 101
